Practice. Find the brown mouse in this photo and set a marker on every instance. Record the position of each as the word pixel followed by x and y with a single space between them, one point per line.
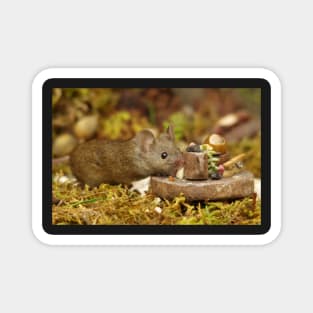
pixel 122 162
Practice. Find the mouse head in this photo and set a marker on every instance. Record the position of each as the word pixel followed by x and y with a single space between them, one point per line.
pixel 160 154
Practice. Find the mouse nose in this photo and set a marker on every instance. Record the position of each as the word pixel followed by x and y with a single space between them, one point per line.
pixel 179 162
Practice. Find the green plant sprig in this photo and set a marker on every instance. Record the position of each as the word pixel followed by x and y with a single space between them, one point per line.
pixel 212 159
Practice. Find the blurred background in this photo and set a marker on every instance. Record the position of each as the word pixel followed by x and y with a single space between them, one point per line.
pixel 81 114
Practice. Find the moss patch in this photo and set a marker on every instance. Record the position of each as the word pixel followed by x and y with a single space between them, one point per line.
pixel 118 205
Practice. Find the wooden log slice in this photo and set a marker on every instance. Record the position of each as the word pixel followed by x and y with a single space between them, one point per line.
pixel 237 186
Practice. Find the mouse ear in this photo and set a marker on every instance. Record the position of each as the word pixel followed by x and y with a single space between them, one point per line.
pixel 145 139
pixel 170 132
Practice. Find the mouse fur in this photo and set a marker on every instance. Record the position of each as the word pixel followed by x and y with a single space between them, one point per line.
pixel 122 162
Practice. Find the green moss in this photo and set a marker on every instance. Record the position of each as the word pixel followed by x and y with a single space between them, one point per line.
pixel 118 205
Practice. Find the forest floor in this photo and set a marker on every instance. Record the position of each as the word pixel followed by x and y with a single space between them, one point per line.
pixel 121 205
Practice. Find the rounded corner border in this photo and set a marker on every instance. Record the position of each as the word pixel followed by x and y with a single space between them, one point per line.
pixel 193 240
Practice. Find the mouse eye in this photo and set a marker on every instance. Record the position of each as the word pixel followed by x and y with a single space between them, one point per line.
pixel 164 155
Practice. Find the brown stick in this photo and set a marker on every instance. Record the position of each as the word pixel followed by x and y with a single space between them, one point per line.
pixel 238 158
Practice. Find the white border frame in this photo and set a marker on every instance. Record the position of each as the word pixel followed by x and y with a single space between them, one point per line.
pixel 156 73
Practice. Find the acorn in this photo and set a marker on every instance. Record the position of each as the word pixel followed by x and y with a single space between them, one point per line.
pixel 63 145
pixel 217 142
pixel 86 127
